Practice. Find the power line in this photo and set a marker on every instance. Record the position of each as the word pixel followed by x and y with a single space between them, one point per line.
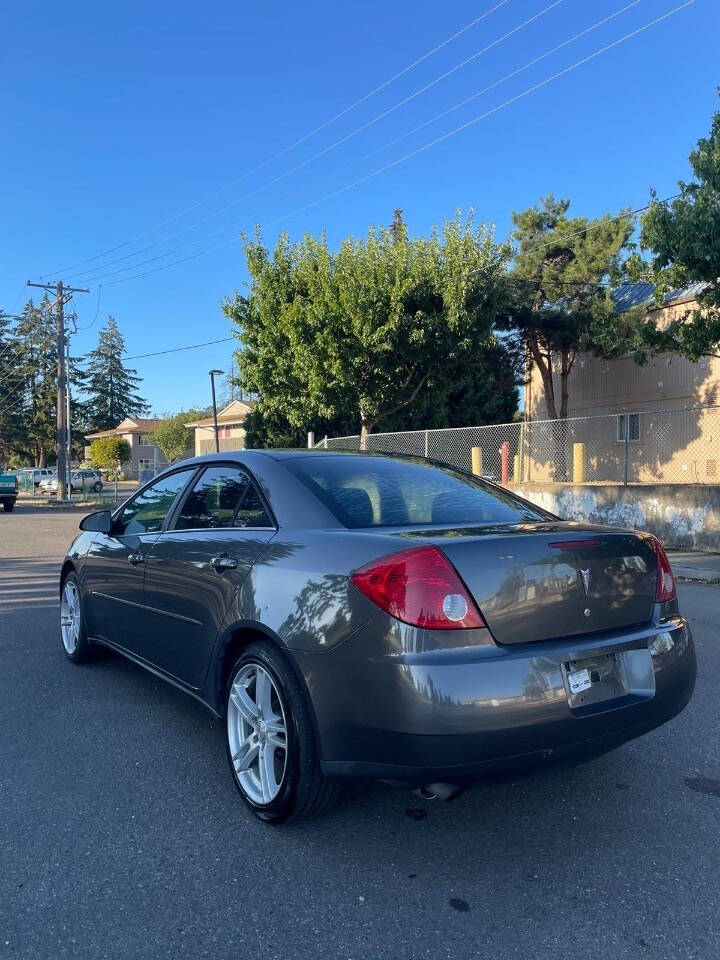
pixel 428 145
pixel 492 86
pixel 10 344
pixel 304 163
pixel 10 374
pixel 439 116
pixel 488 113
pixel 12 395
pixel 391 143
pixel 17 299
pixel 175 263
pixel 604 221
pixel 192 346
pixel 296 143
pixel 97 310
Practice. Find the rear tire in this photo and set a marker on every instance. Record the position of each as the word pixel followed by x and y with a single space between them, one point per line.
pixel 8 506
pixel 270 739
pixel 98 487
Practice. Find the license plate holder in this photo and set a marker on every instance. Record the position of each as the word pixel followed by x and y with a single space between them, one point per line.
pixel 594 680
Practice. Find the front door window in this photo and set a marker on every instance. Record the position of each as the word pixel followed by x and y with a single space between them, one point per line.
pixel 147 512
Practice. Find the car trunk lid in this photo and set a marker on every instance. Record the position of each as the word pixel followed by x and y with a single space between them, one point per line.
pixel 537 582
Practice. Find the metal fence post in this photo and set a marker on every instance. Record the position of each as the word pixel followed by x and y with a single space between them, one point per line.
pixel 626 447
pixel 426 443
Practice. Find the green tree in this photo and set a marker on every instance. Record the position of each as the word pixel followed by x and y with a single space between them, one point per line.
pixel 35 384
pixel 172 435
pixel 28 385
pixel 684 238
pixel 110 387
pixel 369 333
pixel 11 391
pixel 558 302
pixel 106 452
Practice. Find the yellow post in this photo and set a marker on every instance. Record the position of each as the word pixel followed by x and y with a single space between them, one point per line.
pixel 578 463
pixel 476 453
pixel 516 468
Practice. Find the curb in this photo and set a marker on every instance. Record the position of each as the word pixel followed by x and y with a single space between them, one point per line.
pixel 707 579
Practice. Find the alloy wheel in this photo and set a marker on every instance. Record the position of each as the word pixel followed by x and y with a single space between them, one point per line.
pixel 257 733
pixel 70 616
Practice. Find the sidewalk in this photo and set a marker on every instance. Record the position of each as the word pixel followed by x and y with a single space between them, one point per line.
pixel 701 567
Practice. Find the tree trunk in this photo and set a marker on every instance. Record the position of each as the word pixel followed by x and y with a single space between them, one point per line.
pixel 557 428
pixel 566 362
pixel 544 365
pixel 365 430
pixel 367 426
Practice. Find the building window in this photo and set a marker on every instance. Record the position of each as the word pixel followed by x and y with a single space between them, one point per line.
pixel 633 427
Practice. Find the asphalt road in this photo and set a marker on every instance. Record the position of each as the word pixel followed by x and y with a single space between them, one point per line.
pixel 121 834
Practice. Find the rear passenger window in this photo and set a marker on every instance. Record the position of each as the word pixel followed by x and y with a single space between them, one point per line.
pixel 222 497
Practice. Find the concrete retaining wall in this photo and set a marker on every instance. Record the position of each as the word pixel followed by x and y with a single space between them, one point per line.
pixel 682 516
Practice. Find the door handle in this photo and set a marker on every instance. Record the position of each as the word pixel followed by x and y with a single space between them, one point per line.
pixel 136 558
pixel 223 562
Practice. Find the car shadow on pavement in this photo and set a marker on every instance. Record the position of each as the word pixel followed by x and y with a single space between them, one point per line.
pixel 605 794
pixel 28 585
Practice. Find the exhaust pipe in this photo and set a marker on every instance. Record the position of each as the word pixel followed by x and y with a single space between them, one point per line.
pixel 440 791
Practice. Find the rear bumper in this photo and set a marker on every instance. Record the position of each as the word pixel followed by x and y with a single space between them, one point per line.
pixel 461 714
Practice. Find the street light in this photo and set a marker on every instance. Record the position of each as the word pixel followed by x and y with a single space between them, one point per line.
pixel 213 374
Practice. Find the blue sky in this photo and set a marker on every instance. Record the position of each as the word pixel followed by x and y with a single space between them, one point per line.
pixel 116 117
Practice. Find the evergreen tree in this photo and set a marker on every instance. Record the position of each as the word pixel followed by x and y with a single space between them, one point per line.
pixel 558 302
pixel 110 387
pixel 36 382
pixel 11 391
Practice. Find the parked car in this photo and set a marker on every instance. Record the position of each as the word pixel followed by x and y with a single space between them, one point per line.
pixel 37 474
pixel 357 615
pixel 80 480
pixel 8 491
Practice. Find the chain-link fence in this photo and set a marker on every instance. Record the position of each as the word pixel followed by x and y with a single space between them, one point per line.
pixel 646 446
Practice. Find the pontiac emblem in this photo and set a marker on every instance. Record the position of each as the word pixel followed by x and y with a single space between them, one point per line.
pixel 585 577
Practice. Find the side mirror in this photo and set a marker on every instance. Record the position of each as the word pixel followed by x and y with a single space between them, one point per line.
pixel 98 522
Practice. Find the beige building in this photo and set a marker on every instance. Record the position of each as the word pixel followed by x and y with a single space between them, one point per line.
pixel 144 456
pixel 231 430
pixel 657 422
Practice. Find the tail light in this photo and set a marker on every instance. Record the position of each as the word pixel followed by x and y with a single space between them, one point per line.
pixel 665 589
pixel 421 587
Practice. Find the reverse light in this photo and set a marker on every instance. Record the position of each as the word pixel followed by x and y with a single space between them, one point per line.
pixel 665 589
pixel 421 587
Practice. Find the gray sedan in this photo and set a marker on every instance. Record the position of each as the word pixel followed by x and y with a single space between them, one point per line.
pixel 354 615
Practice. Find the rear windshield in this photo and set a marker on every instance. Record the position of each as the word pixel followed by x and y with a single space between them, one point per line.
pixel 368 491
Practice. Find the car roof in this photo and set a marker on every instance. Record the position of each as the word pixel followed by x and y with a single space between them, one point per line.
pixel 289 454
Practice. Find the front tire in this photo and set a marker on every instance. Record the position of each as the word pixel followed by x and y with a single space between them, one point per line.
pixel 75 643
pixel 270 737
pixel 8 506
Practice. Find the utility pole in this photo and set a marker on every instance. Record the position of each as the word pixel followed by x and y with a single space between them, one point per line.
pixel 63 294
pixel 213 374
pixel 68 423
